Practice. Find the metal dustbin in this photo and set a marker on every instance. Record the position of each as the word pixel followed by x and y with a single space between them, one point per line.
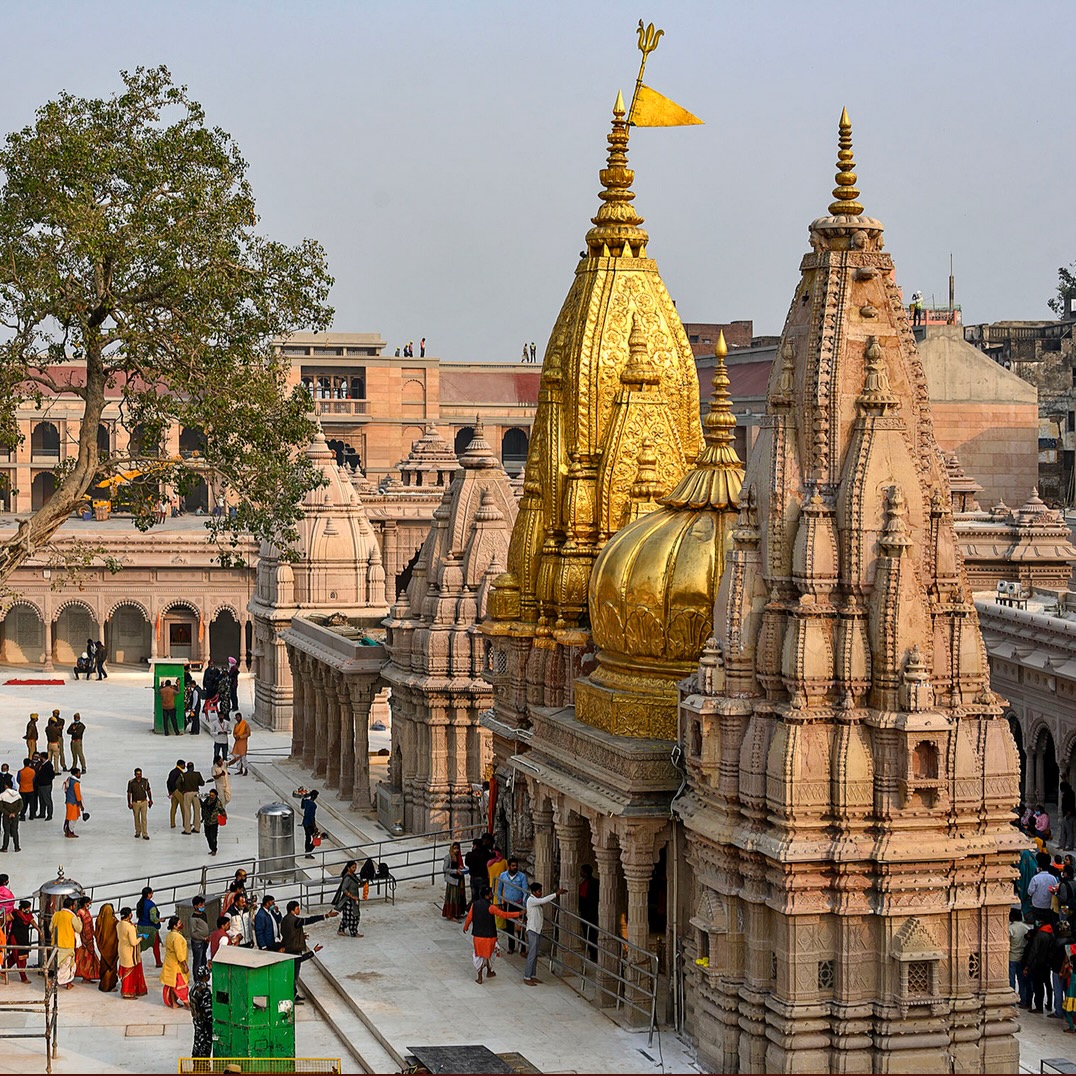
pixel 276 843
pixel 50 899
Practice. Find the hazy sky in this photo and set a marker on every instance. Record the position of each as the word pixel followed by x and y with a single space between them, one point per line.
pixel 447 154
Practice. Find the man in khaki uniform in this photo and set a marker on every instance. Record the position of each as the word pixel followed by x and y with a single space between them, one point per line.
pixel 76 732
pixel 189 784
pixel 31 736
pixel 139 800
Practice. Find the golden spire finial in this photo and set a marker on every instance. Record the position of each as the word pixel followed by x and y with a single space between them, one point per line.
pixel 720 424
pixel 845 192
pixel 617 232
pixel 716 478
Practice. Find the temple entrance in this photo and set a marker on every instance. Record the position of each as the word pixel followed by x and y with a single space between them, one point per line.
pixel 75 625
pixel 179 633
pixel 22 636
pixel 129 640
pixel 225 638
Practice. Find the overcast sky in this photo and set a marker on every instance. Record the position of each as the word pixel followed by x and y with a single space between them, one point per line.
pixel 447 154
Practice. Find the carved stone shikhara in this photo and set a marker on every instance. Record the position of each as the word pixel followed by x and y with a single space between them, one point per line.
pixel 851 778
pixel 439 749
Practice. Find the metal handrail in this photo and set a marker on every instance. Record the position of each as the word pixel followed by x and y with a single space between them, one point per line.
pixel 405 864
pixel 637 969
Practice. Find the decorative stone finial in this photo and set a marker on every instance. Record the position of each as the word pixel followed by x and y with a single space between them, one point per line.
pixel 845 192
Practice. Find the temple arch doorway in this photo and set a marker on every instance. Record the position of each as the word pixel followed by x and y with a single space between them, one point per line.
pixel 225 637
pixel 76 623
pixel 41 489
pixel 1044 783
pixel 128 635
pixel 180 632
pixel 22 635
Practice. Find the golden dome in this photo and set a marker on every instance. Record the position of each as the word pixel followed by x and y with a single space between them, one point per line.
pixel 653 586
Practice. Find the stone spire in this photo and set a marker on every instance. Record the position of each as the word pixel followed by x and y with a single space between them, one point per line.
pixel 852 777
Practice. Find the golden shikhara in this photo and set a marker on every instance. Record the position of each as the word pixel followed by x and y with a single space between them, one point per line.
pixel 618 409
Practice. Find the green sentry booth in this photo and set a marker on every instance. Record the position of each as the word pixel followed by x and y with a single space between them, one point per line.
pixel 253 1003
pixel 167 670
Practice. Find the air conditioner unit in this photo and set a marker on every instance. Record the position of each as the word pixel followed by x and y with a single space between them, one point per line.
pixel 1012 589
pixel 1001 586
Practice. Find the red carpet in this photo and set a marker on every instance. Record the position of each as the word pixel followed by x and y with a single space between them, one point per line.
pixel 24 683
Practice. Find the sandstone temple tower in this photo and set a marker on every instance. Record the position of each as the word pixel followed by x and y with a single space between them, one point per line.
pixel 339 570
pixel 612 574
pixel 440 751
pixel 850 774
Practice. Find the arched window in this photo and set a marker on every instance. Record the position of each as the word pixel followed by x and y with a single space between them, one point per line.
pixel 192 442
pixel 104 440
pixel 41 489
pixel 514 445
pixel 464 436
pixel 45 441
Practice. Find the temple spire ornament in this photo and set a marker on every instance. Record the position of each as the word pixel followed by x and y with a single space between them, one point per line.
pixel 845 192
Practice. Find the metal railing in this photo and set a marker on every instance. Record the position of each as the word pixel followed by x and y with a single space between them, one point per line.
pixel 618 970
pixel 46 1006
pixel 410 863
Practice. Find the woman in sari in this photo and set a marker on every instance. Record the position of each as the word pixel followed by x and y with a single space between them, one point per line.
pixel 348 899
pixel 22 923
pixel 455 897
pixel 132 977
pixel 176 972
pixel 86 964
pixel 149 923
pixel 108 944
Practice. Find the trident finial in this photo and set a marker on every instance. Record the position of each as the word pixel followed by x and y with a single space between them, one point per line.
pixel 648 38
pixel 845 192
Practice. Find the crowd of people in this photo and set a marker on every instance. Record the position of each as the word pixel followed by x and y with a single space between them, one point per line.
pixel 504 901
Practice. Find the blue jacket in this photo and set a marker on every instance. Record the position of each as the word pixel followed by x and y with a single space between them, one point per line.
pixel 310 809
pixel 267 929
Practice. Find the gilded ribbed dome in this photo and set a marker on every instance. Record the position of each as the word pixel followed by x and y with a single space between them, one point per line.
pixel 654 583
pixel 653 587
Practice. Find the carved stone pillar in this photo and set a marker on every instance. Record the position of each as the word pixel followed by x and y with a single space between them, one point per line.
pixel 637 877
pixel 569 836
pixel 48 666
pixel 543 848
pixel 362 697
pixel 435 759
pixel 309 672
pixel 608 863
pixel 347 743
pixel 1040 773
pixel 321 722
pixel 338 701
pixel 300 703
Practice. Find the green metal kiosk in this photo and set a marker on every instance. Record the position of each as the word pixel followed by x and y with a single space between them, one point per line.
pixel 253 1003
pixel 167 670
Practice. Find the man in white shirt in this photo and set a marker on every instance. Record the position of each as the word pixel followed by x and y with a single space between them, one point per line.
pixel 535 922
pixel 241 931
pixel 1041 888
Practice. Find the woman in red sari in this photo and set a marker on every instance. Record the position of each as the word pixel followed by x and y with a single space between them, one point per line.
pixel 86 955
pixel 132 977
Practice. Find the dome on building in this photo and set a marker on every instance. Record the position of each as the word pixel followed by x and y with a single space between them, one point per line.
pixel 653 586
pixel 339 564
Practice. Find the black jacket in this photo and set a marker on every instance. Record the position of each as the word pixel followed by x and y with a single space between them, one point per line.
pixel 45 775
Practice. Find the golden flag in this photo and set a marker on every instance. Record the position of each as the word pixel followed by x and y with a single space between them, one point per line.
pixel 652 109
